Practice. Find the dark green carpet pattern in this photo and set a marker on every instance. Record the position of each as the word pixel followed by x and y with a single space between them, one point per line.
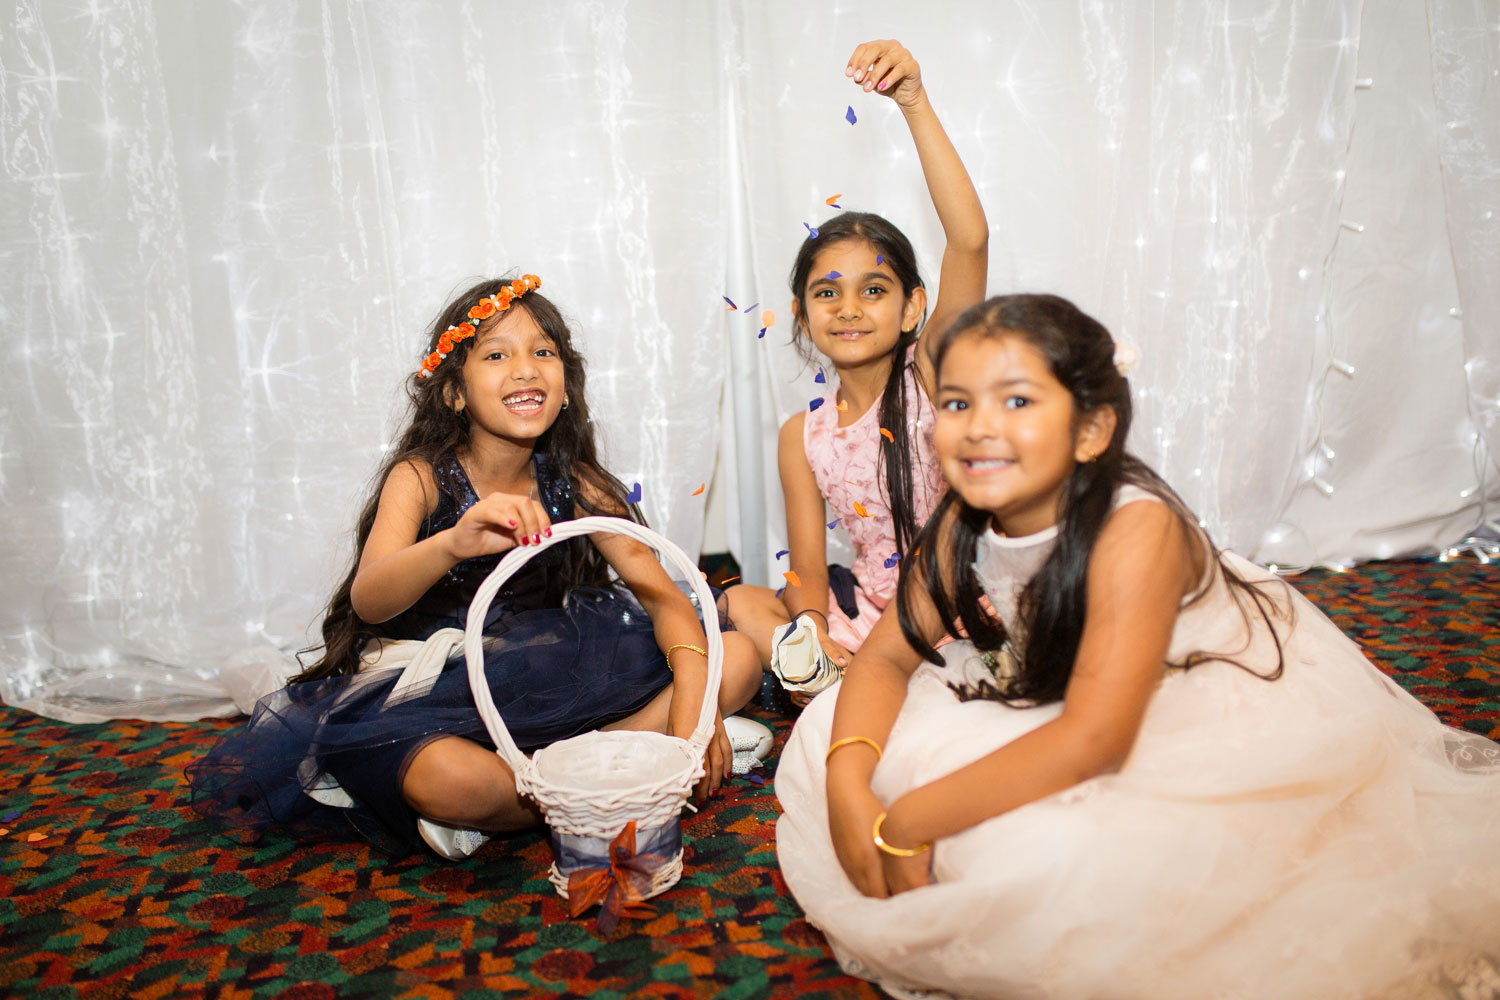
pixel 111 887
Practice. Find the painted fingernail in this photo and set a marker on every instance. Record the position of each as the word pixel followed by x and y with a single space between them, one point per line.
pixel 511 523
pixel 549 532
pixel 536 539
pixel 884 84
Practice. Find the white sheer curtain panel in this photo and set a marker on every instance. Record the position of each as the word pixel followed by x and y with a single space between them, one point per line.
pixel 1252 193
pixel 226 227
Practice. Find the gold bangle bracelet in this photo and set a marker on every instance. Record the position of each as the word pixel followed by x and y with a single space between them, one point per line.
pixel 848 740
pixel 892 849
pixel 682 645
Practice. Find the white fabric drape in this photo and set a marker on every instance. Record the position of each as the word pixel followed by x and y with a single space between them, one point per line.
pixel 225 226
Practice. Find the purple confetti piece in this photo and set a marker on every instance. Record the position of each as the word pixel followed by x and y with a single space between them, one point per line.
pixel 11 816
pixel 832 276
pixel 761 335
pixel 635 494
pixel 833 524
pixel 782 553
pixel 879 259
pixel 729 302
pixel 748 308
pixel 755 779
pixel 816 403
pixel 893 561
pixel 820 378
pixel 849 115
pixel 812 233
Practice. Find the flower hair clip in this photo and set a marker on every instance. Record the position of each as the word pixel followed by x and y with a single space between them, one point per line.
pixel 482 310
pixel 1126 356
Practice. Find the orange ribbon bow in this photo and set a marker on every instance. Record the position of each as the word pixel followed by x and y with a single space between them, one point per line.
pixel 620 888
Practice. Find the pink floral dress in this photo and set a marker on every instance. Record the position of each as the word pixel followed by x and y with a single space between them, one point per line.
pixel 844 461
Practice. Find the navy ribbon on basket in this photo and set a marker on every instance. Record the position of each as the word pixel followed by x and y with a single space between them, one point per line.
pixel 616 873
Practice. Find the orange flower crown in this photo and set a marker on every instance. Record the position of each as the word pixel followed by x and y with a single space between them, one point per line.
pixel 483 310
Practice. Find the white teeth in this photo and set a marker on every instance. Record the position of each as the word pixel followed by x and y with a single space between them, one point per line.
pixel 987 463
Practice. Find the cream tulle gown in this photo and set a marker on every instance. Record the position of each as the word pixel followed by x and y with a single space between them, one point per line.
pixel 1322 835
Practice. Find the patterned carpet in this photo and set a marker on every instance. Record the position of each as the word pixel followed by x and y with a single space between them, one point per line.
pixel 111 887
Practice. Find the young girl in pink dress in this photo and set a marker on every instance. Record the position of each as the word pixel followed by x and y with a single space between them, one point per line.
pixel 1153 770
pixel 863 451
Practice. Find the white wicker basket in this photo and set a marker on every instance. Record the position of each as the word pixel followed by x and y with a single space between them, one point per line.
pixel 594 784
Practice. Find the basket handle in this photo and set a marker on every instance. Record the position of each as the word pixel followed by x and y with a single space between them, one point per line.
pixel 516 557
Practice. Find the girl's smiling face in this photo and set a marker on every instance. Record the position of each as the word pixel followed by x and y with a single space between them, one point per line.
pixel 853 308
pixel 1007 434
pixel 512 379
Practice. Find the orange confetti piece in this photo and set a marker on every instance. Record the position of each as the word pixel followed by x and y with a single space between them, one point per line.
pixel 768 319
pixel 843 405
pixel 830 201
pixel 728 580
pixel 32 838
pixel 4 830
pixel 792 578
pixel 888 435
pixel 859 509
pixel 700 489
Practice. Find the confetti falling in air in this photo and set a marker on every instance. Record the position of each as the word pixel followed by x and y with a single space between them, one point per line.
pixel 879 259
pixel 833 202
pixel 859 509
pixel 635 494
pixel 820 378
pixel 729 579
pixel 751 308
pixel 782 553
pixel 893 560
pixel 885 433
pixel 834 523
pixel 812 233
pixel 815 404
pixel 729 304
pixel 792 578
pixel 849 115
pixel 700 489
pixel 761 335
pixel 832 276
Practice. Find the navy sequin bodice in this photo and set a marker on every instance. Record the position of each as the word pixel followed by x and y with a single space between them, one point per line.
pixel 535 585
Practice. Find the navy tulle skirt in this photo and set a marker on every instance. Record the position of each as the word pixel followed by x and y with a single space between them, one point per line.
pixel 554 673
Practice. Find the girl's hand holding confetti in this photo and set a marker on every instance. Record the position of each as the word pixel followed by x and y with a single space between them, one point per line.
pixel 499 522
pixel 887 68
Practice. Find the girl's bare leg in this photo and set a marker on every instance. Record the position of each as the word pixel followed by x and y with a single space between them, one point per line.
pixel 456 781
pixel 740 682
pixel 757 612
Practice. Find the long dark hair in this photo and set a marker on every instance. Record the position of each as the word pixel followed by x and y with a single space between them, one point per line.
pixel 434 430
pixel 1052 607
pixel 892 244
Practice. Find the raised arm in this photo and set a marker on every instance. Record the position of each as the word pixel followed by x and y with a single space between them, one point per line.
pixel 1140 569
pixel 887 68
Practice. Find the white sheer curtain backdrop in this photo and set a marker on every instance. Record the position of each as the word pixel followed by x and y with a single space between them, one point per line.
pixel 225 226
pixel 1253 193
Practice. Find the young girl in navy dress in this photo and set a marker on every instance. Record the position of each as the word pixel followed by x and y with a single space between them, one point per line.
pixel 863 451
pixel 1153 769
pixel 382 731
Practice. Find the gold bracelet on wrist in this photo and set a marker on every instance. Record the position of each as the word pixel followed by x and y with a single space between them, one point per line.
pixel 892 849
pixel 847 741
pixel 682 645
